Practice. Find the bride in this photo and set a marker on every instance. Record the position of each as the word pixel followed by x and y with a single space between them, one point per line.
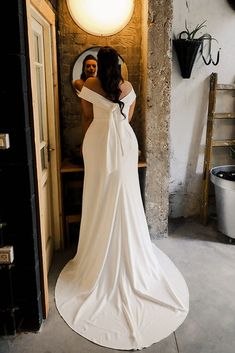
pixel 119 291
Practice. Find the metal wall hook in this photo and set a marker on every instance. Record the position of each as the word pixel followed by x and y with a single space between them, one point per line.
pixel 209 54
pixel 217 59
pixel 204 59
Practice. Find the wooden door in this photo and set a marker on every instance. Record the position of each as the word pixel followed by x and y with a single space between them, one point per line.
pixel 43 149
pixel 45 114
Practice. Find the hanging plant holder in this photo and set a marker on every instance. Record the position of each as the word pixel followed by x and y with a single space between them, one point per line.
pixel 187 46
pixel 186 51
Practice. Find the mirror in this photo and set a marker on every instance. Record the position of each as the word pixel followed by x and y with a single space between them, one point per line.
pixel 77 69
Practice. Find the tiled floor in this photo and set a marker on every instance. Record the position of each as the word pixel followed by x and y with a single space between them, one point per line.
pixel 207 261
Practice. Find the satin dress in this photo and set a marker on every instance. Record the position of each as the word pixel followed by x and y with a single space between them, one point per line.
pixel 119 291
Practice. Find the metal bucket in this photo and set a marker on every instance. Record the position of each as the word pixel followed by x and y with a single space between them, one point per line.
pixel 225 200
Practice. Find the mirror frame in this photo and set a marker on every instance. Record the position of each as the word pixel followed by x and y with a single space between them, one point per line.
pixel 77 66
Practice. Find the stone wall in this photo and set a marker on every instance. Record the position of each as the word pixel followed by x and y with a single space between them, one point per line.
pixel 157 114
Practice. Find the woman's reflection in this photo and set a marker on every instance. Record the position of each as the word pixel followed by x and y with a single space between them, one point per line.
pixel 89 69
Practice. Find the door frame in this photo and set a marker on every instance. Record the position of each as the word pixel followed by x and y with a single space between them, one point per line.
pixel 43 9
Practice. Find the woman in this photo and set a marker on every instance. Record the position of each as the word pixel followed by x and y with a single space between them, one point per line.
pixel 120 290
pixel 89 68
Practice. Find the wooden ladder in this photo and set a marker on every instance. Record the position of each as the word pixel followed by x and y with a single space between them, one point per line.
pixel 210 142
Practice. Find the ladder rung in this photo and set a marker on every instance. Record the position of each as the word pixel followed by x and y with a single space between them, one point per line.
pixel 223 143
pixel 225 86
pixel 223 115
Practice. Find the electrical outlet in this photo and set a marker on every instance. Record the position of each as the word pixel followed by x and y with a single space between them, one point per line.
pixel 4 141
pixel 6 254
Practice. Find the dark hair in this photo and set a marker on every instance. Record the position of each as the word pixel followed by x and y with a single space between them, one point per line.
pixel 88 57
pixel 109 73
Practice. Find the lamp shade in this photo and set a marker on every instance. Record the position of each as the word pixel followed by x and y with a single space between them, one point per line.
pixel 101 17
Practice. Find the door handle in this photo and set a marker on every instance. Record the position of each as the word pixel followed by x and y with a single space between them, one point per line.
pixel 49 149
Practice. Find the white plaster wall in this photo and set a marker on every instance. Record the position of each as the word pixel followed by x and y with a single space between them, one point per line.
pixel 190 98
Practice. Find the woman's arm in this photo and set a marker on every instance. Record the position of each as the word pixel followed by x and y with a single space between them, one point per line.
pixel 126 88
pixel 131 111
pixel 87 115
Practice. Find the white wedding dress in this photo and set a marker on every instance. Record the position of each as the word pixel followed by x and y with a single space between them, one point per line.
pixel 120 290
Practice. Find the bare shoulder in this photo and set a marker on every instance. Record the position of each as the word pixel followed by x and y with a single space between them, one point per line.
pixel 94 84
pixel 78 84
pixel 125 87
pixel 90 82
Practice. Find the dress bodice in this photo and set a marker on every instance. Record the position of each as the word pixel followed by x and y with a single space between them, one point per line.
pixel 102 106
pixel 116 130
